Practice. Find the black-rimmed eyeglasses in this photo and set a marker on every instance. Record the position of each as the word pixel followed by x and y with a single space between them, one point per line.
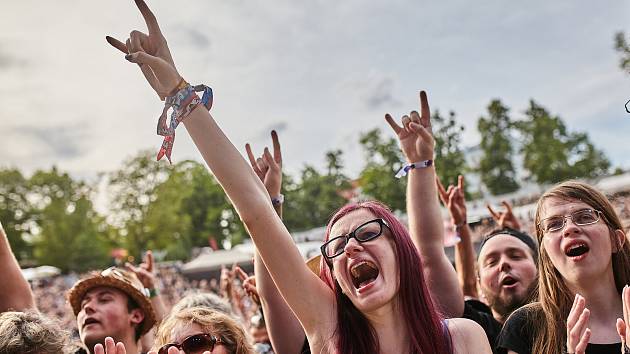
pixel 365 232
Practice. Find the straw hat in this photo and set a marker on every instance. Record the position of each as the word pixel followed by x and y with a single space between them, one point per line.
pixel 120 279
pixel 313 264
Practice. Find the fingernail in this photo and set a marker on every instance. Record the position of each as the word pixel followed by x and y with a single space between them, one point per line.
pixel 128 57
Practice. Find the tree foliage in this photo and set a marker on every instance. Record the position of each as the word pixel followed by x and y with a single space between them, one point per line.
pixel 622 46
pixel 552 154
pixel 69 232
pixel 383 159
pixel 450 160
pixel 495 166
pixel 312 200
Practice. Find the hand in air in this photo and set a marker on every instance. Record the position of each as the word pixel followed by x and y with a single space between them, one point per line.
pixel 454 200
pixel 110 347
pixel 505 218
pixel 578 333
pixel 415 136
pixel 144 271
pixel 249 284
pixel 267 167
pixel 151 53
pixel 623 326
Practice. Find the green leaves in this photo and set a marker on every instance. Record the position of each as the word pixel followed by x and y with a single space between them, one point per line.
pixel 495 166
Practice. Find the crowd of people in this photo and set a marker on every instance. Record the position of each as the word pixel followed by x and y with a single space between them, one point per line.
pixel 557 283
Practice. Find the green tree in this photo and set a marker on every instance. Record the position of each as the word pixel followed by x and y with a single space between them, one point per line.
pixel 70 234
pixel 496 167
pixel 384 159
pixel 552 154
pixel 450 160
pixel 15 211
pixel 622 46
pixel 132 189
pixel 310 202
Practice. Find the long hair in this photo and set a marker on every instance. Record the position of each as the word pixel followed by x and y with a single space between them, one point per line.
pixel 354 332
pixel 554 297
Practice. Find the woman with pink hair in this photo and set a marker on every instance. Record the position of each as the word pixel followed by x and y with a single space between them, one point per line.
pixel 374 299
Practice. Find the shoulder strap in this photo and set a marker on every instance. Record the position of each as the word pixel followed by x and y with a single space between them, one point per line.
pixel 447 336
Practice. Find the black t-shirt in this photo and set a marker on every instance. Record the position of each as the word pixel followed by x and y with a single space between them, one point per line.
pixel 517 336
pixel 479 312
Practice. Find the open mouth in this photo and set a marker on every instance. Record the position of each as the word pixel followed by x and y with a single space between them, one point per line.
pixel 89 321
pixel 363 273
pixel 576 250
pixel 508 281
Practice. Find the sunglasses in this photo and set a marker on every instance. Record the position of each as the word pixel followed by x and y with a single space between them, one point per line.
pixel 195 344
pixel 365 232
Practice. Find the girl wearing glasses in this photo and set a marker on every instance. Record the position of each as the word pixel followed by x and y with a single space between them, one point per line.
pixel 374 299
pixel 584 266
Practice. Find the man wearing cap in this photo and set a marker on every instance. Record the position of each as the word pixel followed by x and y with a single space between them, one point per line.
pixel 505 270
pixel 113 303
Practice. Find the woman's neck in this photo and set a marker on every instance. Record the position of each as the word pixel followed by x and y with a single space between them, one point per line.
pixel 390 330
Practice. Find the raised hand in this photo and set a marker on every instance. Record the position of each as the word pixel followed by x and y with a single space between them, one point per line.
pixel 623 326
pixel 578 333
pixel 267 167
pixel 144 271
pixel 249 284
pixel 416 139
pixel 110 347
pixel 454 200
pixel 151 53
pixel 505 218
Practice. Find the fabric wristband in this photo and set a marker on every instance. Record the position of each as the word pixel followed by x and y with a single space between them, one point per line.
pixel 275 201
pixel 183 102
pixel 410 166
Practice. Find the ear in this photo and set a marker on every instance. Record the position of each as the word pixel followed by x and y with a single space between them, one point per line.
pixel 136 316
pixel 621 240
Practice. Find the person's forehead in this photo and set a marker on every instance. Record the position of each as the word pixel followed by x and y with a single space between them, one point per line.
pixel 502 243
pixel 557 206
pixel 101 290
pixel 183 330
pixel 351 221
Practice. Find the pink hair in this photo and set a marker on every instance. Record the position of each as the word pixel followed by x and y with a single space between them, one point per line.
pixel 424 325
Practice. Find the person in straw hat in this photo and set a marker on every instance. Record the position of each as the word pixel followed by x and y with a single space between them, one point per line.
pixel 113 303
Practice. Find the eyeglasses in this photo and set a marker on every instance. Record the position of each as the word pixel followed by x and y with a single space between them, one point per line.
pixel 195 344
pixel 580 218
pixel 365 232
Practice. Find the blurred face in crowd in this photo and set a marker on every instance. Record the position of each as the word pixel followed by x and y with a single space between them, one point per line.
pixel 104 312
pixel 183 331
pixel 507 273
pixel 367 272
pixel 579 252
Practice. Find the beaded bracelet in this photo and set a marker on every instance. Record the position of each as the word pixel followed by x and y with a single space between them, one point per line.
pixel 410 166
pixel 183 102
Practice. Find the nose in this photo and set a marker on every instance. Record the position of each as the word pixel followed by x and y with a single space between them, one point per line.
pixel 88 308
pixel 352 246
pixel 569 227
pixel 505 264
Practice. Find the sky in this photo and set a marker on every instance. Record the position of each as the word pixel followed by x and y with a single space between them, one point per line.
pixel 319 72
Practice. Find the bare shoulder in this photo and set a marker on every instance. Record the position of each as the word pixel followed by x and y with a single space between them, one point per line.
pixel 468 337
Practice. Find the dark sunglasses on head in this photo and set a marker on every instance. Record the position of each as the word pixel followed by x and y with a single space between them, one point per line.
pixel 365 232
pixel 195 344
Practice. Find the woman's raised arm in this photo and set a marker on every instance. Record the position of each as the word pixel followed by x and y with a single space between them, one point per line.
pixel 423 208
pixel 307 296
